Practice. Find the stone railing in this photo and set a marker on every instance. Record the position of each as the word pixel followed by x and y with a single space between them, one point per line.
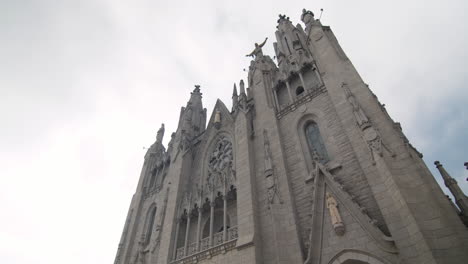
pixel 192 249
pixel 208 253
pixel 310 94
pixel 180 253
pixel 217 238
pixel 219 246
pixel 205 243
pixel 232 233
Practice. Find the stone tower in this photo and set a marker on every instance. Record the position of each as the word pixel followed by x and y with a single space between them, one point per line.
pixel 307 167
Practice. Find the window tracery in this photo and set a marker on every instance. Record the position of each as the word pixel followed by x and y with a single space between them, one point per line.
pixel 315 143
pixel 220 173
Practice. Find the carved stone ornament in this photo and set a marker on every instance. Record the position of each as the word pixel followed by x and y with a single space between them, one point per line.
pixel 159 226
pixel 160 134
pixel 369 133
pixel 271 182
pixel 220 173
pixel 359 114
pixel 335 216
pixel 307 16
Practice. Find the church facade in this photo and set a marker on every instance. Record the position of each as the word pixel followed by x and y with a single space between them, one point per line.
pixel 306 167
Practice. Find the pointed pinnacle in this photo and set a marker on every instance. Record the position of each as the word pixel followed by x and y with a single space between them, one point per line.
pixel 234 91
pixel 242 88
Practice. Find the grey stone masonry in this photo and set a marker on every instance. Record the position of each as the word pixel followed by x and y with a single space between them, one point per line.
pixel 306 167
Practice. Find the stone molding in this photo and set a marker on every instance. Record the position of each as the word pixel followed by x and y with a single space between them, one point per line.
pixel 300 101
pixel 207 254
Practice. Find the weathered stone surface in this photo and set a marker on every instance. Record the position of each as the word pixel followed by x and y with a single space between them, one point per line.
pixel 251 186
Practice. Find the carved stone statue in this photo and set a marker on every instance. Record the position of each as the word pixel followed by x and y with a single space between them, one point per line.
pixel 335 216
pixel 359 114
pixel 369 133
pixel 160 134
pixel 184 141
pixel 217 119
pixel 307 16
pixel 271 184
pixel 171 143
pixel 257 52
pixel 141 254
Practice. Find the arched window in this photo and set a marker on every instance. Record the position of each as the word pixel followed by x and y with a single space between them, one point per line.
pixel 299 90
pixel 154 173
pixel 315 142
pixel 149 224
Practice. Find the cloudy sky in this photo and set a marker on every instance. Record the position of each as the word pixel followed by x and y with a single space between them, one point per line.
pixel 86 84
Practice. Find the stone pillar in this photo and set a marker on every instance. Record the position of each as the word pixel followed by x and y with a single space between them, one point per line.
pixel 212 205
pixel 289 92
pixel 278 107
pixel 187 230
pixel 199 227
pixel 302 81
pixel 174 254
pixel 224 218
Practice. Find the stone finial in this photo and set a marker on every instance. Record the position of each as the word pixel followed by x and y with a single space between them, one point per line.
pixel 234 90
pixel 460 198
pixel 197 88
pixel 442 170
pixel 242 87
pixel 282 17
pixel 160 134
pixel 235 98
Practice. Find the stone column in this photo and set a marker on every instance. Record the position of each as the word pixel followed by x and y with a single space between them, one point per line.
pixel 187 230
pixel 289 92
pixel 302 81
pixel 224 218
pixel 199 227
pixel 174 254
pixel 212 205
pixel 275 95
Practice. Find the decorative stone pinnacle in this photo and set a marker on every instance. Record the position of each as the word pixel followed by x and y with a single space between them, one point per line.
pixel 242 87
pixel 160 134
pixel 197 88
pixel 282 17
pixel 234 90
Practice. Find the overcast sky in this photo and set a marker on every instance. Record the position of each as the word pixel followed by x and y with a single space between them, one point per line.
pixel 85 85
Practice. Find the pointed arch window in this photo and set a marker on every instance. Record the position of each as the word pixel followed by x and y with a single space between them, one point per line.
pixel 154 173
pixel 149 224
pixel 315 142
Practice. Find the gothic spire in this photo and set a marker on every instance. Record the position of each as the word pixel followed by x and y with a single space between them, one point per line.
pixel 460 198
pixel 242 87
pixel 235 97
pixel 193 116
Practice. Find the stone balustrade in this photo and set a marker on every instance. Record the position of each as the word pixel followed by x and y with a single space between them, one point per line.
pixel 217 238
pixel 232 233
pixel 218 244
pixel 205 243
pixel 180 253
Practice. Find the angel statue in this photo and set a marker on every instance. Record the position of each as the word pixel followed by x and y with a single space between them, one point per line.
pixel 257 52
